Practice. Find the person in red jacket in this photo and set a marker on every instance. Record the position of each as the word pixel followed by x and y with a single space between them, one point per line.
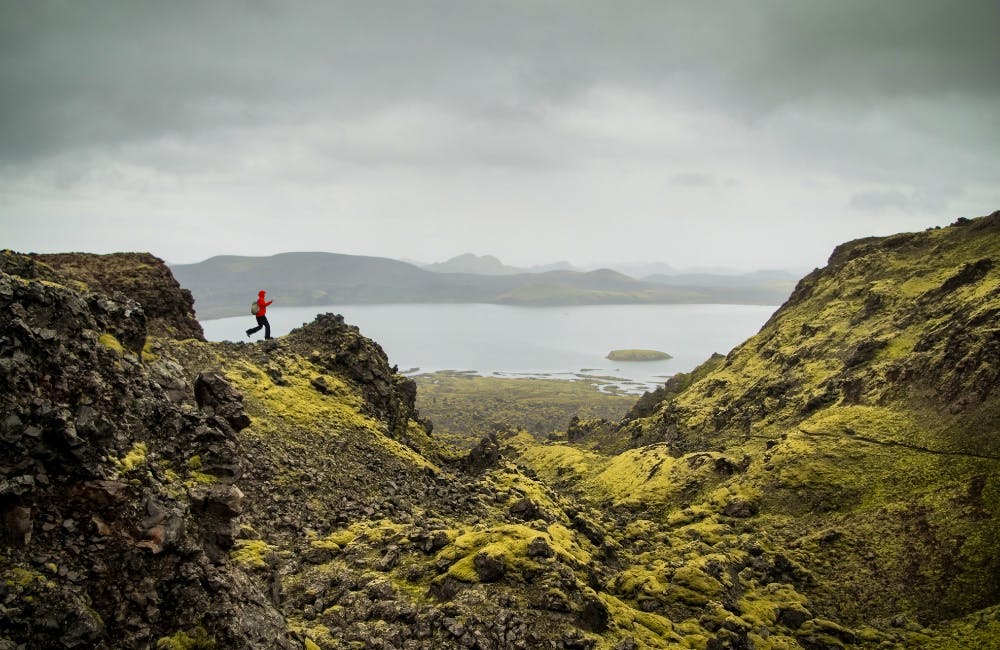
pixel 262 317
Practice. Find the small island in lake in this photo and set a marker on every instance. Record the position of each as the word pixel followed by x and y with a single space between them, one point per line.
pixel 637 355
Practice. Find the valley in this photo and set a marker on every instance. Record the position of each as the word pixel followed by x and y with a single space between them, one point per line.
pixel 832 482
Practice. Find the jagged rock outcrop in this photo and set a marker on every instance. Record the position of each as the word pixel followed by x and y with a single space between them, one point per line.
pixel 142 277
pixel 118 504
pixel 340 348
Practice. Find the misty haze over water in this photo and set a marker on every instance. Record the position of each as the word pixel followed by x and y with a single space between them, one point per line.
pixel 519 341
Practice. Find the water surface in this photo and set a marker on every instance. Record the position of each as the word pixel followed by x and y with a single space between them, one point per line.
pixel 564 342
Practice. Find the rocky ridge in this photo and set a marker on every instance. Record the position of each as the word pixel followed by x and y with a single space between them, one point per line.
pixel 169 309
pixel 111 537
pixel 169 493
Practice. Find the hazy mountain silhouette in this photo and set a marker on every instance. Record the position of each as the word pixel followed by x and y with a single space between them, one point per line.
pixel 221 284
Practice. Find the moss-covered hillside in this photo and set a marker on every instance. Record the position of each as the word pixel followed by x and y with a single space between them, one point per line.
pixel 856 437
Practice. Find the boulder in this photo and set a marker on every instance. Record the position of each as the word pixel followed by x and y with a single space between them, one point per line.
pixel 216 396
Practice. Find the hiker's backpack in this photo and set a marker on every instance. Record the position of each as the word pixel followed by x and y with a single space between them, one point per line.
pixel 254 307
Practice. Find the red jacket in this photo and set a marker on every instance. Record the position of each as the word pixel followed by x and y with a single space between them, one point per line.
pixel 261 305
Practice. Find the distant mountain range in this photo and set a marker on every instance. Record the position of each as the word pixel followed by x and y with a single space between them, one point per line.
pixel 224 285
pixel 490 265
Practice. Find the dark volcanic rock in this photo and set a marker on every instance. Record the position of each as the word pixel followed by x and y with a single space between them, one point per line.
pixel 140 276
pixel 104 547
pixel 216 396
pixel 488 567
pixel 341 349
pixel 484 455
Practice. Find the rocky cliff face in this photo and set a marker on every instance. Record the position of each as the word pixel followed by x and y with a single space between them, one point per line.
pixel 117 488
pixel 169 309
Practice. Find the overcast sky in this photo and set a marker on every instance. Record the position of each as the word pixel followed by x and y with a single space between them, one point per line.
pixel 699 134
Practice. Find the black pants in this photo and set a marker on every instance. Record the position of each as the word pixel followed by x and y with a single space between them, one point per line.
pixel 261 322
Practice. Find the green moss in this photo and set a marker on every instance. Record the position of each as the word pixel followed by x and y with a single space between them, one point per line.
pixel 708 531
pixel 297 405
pixel 200 478
pixel 194 639
pixel 135 458
pixel 917 285
pixel 774 642
pixel 899 345
pixel 405 453
pixel 110 342
pixel 760 606
pixel 336 540
pixel 980 629
pixel 562 461
pixel 691 584
pixel 508 543
pixel 194 462
pixel 148 356
pixel 508 480
pixel 652 476
pixel 637 355
pixel 648 580
pixel 378 532
pixel 317 634
pixel 251 553
pixel 22 578
pixel 649 630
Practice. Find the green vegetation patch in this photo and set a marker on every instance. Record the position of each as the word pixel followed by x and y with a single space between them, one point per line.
pixel 464 408
pixel 110 342
pixel 296 402
pixel 637 355
pixel 650 630
pixel 251 553
pixel 508 545
pixel 194 639
pixel 135 458
pixel 557 462
pixel 651 475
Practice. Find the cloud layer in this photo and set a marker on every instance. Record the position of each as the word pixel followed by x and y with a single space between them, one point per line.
pixel 692 133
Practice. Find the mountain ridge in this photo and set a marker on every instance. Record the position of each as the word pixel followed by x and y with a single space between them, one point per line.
pixel 220 284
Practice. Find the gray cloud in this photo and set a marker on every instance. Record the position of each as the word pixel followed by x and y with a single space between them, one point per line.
pixel 925 201
pixel 77 74
pixel 694 179
pixel 556 112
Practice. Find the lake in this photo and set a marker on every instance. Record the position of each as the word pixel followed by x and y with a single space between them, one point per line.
pixel 560 342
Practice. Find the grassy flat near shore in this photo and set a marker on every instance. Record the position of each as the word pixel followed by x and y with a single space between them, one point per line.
pixel 466 407
pixel 637 355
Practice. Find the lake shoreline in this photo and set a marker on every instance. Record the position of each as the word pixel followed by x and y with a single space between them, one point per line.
pixel 568 343
pixel 608 384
